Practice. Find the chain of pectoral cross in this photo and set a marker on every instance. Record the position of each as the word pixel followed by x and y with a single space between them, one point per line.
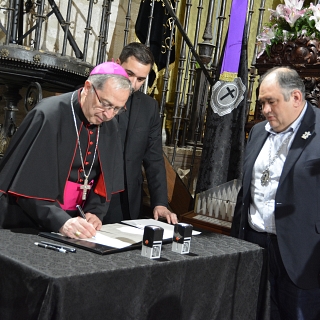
pixel 86 186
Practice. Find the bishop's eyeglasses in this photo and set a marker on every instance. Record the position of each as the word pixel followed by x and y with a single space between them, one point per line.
pixel 106 106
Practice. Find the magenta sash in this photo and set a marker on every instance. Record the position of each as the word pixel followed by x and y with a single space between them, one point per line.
pixel 73 195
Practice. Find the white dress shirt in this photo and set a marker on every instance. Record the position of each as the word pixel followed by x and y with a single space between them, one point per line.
pixel 261 211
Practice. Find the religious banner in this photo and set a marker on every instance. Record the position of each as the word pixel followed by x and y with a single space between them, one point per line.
pixel 228 92
pixel 224 139
pixel 160 34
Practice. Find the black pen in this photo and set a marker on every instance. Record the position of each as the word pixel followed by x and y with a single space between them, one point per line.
pixel 69 249
pixel 81 212
pixel 42 245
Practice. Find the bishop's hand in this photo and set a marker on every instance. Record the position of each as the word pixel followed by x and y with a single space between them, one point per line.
pixel 79 228
pixel 94 220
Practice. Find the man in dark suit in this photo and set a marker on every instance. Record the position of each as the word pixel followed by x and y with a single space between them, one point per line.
pixel 278 206
pixel 140 129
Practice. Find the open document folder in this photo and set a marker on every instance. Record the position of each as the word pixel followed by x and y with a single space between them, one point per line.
pixel 168 228
pixel 116 237
pixel 130 232
pixel 111 238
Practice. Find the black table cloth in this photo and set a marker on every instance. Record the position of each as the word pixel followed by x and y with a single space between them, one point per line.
pixel 219 279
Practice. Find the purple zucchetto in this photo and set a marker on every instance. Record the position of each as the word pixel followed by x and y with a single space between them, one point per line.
pixel 109 68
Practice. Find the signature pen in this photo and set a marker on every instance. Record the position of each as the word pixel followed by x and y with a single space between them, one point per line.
pixel 81 211
pixel 69 249
pixel 82 214
pixel 42 245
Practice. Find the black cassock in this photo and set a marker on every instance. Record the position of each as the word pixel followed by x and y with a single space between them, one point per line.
pixel 43 155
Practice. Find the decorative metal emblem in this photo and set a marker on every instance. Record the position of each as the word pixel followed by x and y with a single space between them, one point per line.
pixel 87 72
pixel 306 135
pixel 265 177
pixel 4 53
pixel 226 96
pixel 33 95
pixel 37 58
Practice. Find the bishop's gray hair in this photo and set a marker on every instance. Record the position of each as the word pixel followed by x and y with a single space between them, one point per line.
pixel 98 80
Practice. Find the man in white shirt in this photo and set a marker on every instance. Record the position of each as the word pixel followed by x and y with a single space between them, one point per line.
pixel 278 206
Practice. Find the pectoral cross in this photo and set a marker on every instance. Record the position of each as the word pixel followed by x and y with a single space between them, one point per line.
pixel 85 187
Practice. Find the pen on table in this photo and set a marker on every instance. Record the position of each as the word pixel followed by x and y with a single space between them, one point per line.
pixel 69 249
pixel 42 245
pixel 81 212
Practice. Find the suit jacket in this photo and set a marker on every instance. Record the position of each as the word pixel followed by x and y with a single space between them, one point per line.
pixel 297 201
pixel 143 146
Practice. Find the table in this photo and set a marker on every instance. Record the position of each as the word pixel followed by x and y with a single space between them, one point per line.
pixel 218 279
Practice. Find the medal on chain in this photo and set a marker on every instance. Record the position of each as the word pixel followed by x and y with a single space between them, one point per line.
pixel 265 177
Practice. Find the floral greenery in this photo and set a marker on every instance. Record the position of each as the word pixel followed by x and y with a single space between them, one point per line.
pixel 289 22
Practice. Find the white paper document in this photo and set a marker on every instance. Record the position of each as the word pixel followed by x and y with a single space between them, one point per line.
pixel 117 235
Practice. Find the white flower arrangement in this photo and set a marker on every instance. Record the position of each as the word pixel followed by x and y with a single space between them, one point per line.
pixel 289 22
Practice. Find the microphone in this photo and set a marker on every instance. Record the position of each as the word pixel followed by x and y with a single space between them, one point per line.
pixel 152 242
pixel 181 237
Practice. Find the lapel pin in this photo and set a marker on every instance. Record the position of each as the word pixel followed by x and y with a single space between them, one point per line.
pixel 306 135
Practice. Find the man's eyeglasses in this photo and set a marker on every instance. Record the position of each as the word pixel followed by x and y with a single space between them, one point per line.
pixel 116 110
